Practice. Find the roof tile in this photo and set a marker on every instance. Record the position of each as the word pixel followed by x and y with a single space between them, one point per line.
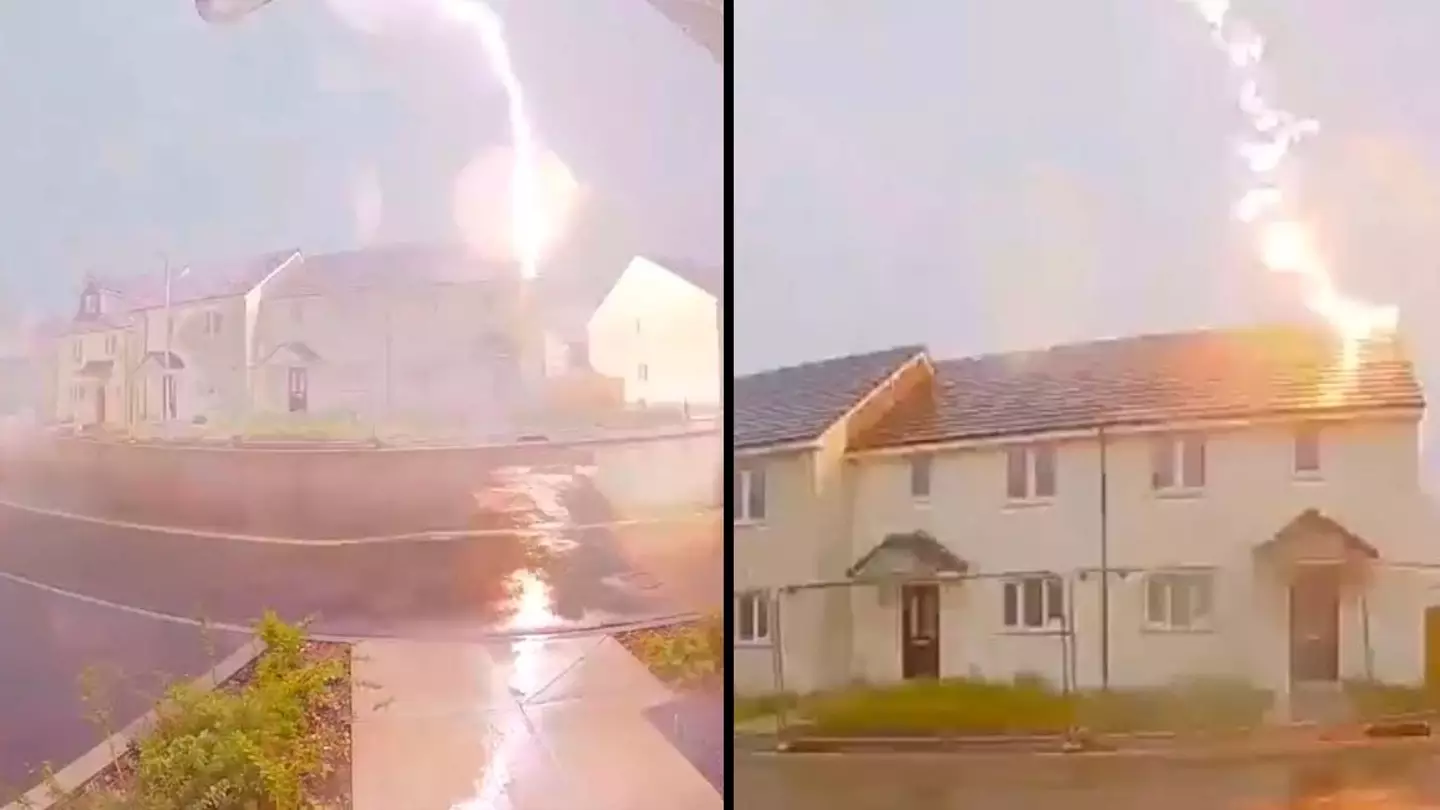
pixel 1152 379
pixel 799 403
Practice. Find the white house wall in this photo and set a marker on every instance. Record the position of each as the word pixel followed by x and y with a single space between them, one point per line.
pixel 653 318
pixel 1369 483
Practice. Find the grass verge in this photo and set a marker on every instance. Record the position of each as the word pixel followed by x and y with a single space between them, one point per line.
pixel 275 735
pixel 685 656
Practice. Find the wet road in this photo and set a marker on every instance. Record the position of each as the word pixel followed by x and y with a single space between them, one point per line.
pixel 524 574
pixel 53 651
pixel 882 782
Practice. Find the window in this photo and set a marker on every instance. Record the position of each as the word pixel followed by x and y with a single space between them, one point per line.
pixel 1034 603
pixel 91 303
pixel 1177 463
pixel 642 373
pixel 110 341
pixel 1030 472
pixel 920 477
pixel 77 350
pixel 752 618
pixel 212 322
pixel 1179 601
pixel 749 495
pixel 1307 450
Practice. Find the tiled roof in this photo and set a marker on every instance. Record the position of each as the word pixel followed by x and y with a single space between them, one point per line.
pixel 200 282
pixel 703 21
pixel 929 555
pixel 385 266
pixel 798 403
pixel 710 278
pixel 1151 379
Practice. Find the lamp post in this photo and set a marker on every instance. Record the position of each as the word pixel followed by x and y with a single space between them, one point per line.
pixel 168 393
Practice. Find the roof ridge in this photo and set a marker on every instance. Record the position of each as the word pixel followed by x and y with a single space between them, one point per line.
pixel 906 349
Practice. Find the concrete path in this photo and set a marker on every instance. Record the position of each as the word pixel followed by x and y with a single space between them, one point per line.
pixel 528 725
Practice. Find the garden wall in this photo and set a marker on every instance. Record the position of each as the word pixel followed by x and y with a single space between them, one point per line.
pixel 315 492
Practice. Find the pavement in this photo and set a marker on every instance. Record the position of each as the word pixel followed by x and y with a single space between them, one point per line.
pixel 534 724
pixel 81 594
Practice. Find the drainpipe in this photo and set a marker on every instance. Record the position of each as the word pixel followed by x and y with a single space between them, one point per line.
pixel 1104 565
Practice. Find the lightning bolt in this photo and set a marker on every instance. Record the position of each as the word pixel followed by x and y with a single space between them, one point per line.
pixel 1285 244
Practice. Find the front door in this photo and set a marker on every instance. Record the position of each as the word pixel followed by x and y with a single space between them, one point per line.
pixel 1315 624
pixel 299 387
pixel 920 623
pixel 100 405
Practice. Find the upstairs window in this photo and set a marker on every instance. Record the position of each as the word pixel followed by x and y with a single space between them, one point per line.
pixel 1030 472
pixel 749 495
pixel 1177 463
pixel 77 350
pixel 212 322
pixel 920 467
pixel 1307 451
pixel 90 303
pixel 110 341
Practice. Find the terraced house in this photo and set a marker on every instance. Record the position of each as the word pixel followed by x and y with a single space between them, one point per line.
pixel 1130 512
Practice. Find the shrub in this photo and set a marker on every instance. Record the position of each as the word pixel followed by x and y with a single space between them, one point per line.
pixel 253 746
pixel 1373 700
pixel 968 706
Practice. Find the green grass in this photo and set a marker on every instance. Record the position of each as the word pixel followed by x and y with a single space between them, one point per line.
pixel 972 707
pixel 684 655
pixel 1373 700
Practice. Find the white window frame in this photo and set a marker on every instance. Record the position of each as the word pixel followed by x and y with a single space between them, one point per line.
pixel 1310 433
pixel 919 462
pixel 758 631
pixel 1180 444
pixel 1032 454
pixel 745 482
pixel 111 342
pixel 213 322
pixel 77 350
pixel 1052 616
pixel 1171 581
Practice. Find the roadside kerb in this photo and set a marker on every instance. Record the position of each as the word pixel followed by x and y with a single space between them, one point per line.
pixel 65 782
pixel 318 492
pixel 433 536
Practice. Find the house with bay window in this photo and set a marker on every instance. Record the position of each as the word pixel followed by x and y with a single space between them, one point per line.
pixel 1238 504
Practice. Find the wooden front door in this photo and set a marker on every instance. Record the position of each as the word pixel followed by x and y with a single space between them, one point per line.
pixel 298 384
pixel 1315 624
pixel 920 631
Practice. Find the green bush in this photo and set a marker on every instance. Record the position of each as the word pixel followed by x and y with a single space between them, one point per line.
pixel 1031 706
pixel 252 747
pixel 1373 700
pixel 686 654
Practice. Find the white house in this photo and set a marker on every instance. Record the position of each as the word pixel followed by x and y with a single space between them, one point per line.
pixel 660 330
pixel 1126 512
pixel 380 334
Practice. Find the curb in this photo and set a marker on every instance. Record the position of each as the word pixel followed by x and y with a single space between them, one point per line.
pixel 1036 751
pixel 74 776
pixel 431 536
pixel 483 636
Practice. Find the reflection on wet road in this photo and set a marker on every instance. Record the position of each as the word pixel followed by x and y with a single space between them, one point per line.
pixel 1389 780
pixel 522 574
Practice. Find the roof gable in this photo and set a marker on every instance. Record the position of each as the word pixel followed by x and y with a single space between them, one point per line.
pixel 799 403
pixel 1152 379
pixel 709 278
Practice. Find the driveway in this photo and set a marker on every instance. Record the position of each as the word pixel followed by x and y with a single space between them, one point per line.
pixel 951 782
pixel 55 649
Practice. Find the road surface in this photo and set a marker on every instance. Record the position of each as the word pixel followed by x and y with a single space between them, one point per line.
pixel 81 595
pixel 949 782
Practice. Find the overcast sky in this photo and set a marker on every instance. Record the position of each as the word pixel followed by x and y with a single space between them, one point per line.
pixel 981 175
pixel 132 128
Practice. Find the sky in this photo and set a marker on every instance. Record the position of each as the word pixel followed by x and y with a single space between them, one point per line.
pixel 981 175
pixel 133 130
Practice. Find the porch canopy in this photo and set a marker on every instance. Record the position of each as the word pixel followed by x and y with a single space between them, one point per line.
pixel 291 353
pixel 904 555
pixel 1314 539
